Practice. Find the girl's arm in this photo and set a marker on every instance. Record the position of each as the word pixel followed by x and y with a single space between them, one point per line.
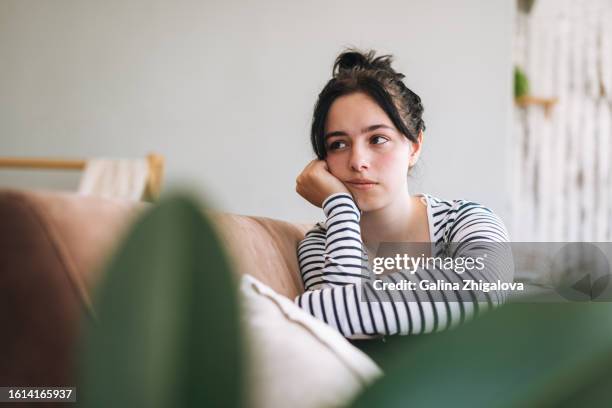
pixel 332 256
pixel 336 294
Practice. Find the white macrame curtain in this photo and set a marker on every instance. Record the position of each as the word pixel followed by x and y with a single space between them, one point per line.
pixel 562 189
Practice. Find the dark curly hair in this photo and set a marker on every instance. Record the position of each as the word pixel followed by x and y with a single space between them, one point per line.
pixel 357 71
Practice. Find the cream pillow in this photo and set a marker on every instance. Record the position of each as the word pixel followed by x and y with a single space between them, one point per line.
pixel 296 360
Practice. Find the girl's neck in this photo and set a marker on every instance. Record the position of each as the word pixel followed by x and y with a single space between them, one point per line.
pixel 400 221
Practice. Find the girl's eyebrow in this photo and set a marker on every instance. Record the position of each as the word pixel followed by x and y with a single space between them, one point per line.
pixel 364 130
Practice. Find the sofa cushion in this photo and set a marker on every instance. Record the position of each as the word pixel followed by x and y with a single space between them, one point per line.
pixel 297 360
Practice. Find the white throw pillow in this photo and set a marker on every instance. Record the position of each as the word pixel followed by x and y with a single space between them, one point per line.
pixel 296 360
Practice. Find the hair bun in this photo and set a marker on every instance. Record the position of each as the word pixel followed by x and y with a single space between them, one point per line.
pixel 355 59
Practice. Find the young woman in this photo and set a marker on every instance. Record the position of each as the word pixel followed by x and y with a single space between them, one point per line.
pixel 367 132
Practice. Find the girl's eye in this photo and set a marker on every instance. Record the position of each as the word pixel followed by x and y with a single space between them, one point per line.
pixel 338 144
pixel 379 140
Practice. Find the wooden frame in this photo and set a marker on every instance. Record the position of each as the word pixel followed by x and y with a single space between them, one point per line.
pixel 155 161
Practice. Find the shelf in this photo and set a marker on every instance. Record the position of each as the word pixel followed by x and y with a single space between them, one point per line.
pixel 546 103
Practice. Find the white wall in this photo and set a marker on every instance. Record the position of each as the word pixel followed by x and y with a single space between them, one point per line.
pixel 225 90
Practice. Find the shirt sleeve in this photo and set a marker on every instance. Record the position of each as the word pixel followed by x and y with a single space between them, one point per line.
pixel 337 293
pixel 332 256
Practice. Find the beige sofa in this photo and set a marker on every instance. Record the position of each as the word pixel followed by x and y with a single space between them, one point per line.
pixel 52 249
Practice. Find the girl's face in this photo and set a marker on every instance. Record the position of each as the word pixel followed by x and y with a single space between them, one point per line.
pixel 366 152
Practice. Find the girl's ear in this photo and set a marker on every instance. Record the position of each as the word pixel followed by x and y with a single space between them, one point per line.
pixel 415 150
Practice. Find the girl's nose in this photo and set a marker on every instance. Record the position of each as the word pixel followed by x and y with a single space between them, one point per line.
pixel 359 160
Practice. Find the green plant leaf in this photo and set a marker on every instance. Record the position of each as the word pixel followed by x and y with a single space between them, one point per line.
pixel 167 332
pixel 521 83
pixel 525 5
pixel 536 354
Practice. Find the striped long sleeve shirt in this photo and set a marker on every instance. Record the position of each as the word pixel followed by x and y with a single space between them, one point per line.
pixel 333 264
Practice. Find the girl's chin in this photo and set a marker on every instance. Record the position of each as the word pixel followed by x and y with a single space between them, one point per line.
pixel 366 204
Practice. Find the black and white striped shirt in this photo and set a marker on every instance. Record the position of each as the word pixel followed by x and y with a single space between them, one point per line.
pixel 332 257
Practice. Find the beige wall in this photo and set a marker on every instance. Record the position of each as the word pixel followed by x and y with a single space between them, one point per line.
pixel 225 89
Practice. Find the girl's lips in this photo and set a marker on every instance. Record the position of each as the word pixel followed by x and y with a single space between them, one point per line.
pixel 362 186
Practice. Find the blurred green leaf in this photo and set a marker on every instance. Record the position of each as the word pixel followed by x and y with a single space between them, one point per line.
pixel 167 333
pixel 521 83
pixel 525 5
pixel 537 354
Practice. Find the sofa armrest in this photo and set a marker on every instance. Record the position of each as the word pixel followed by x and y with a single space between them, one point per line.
pixel 50 245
